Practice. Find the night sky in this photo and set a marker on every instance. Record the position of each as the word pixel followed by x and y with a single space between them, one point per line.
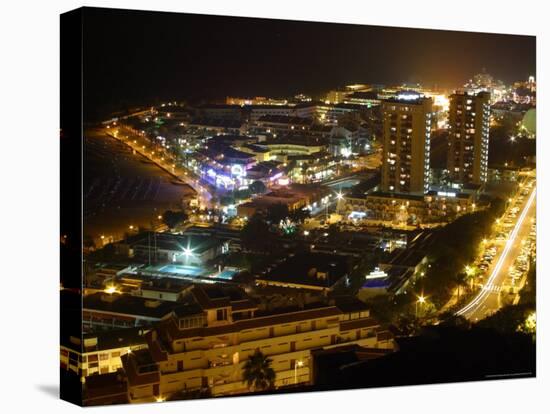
pixel 133 57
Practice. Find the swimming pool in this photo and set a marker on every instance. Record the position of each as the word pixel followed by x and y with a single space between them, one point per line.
pixel 181 270
pixel 226 274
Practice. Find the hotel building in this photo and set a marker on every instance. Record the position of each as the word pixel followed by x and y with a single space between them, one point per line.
pixel 207 351
pixel 469 117
pixel 99 352
pixel 407 123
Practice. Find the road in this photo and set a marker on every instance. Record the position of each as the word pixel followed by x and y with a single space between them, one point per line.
pixel 143 147
pixel 488 300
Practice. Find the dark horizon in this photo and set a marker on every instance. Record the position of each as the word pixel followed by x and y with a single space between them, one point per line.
pixel 136 57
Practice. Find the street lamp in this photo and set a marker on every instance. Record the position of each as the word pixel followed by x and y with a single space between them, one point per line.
pixel 187 252
pixel 300 364
pixel 110 289
pixel 421 300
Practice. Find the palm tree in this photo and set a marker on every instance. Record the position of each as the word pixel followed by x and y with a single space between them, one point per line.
pixel 459 281
pixel 257 372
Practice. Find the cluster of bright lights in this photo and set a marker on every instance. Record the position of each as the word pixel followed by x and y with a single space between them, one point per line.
pixel 531 322
pixel 111 289
pixel 187 252
pixel 484 292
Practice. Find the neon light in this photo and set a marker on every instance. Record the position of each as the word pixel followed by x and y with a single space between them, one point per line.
pixel 238 170
pixel 376 274
pixel 446 194
pixel 408 96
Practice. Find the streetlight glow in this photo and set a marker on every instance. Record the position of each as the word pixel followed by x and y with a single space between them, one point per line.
pixel 111 289
pixel 187 252
pixel 297 365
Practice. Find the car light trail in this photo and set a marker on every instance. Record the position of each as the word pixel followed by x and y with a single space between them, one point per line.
pixel 485 291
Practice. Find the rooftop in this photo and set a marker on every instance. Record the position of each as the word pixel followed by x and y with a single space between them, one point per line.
pixel 364 95
pixel 165 284
pixel 315 269
pixel 282 119
pixel 216 296
pixel 408 98
pixel 415 251
pixel 127 305
pixel 173 242
pixel 215 123
pixel 270 320
pixel 112 339
pixel 397 196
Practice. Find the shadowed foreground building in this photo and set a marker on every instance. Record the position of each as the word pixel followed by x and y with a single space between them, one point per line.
pixel 206 352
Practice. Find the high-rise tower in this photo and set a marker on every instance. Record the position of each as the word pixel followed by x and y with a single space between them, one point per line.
pixel 406 153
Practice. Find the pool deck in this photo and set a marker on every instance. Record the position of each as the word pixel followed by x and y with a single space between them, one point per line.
pixel 191 273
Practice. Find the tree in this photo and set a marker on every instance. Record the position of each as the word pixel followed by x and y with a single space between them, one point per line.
pixel 257 187
pixel 299 215
pixel 227 200
pixel 256 236
pixel 276 213
pixel 173 218
pixel 459 280
pixel 455 244
pixel 257 372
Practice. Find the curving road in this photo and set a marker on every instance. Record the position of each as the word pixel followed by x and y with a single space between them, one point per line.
pixel 487 300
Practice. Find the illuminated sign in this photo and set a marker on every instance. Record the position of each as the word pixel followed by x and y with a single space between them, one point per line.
pixel 376 274
pixel 238 170
pixel 346 152
pixel 223 180
pixel 446 194
pixel 276 176
pixel 408 96
pixel 357 215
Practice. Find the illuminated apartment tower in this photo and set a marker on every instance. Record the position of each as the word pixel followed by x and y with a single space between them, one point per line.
pixel 469 114
pixel 406 154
